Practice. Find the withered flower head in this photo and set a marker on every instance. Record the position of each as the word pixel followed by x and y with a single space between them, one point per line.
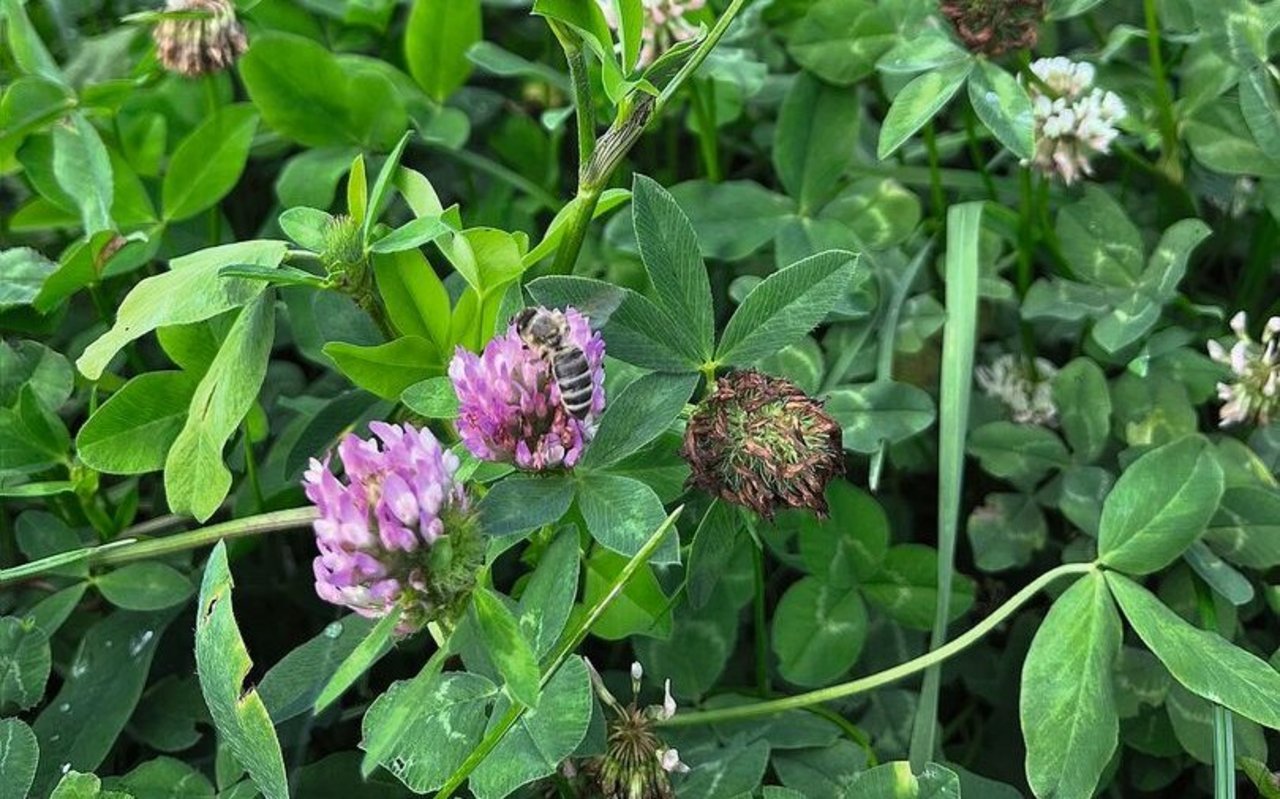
pixel 761 442
pixel 204 36
pixel 994 27
pixel 636 763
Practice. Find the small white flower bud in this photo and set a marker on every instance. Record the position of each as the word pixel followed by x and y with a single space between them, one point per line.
pixel 670 760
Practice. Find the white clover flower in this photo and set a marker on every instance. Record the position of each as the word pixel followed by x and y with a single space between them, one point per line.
pixel 669 759
pixel 668 702
pixel 1255 394
pixel 1028 398
pixel 665 24
pixel 636 761
pixel 1074 122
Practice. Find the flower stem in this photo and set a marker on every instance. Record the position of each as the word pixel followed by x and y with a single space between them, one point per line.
pixel 901 671
pixel 704 109
pixel 580 80
pixel 129 549
pixel 1169 162
pixel 704 49
pixel 937 198
pixel 576 230
pixel 761 624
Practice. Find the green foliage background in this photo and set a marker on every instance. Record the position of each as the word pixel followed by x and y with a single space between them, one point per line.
pixel 205 282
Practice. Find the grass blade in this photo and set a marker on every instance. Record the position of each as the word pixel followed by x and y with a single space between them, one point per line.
pixel 1224 755
pixel 963 224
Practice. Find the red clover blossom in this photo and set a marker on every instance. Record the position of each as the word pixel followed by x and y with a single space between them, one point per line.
pixel 396 533
pixel 510 406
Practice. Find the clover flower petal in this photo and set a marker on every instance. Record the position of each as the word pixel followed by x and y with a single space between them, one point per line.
pixel 1074 121
pixel 210 41
pixel 509 404
pixel 376 531
pixel 1254 393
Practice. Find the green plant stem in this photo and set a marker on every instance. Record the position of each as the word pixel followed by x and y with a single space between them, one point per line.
pixel 130 549
pixel 98 518
pixel 1026 266
pixel 576 230
pixel 891 675
pixel 580 80
pixel 975 154
pixel 851 731
pixel 1170 164
pixel 559 655
pixel 936 197
pixel 759 616
pixel 704 49
pixel 634 114
pixel 845 357
pixel 1224 756
pixel 898 288
pixel 704 109
pixel 251 471
pixel 371 303
pixel 301 255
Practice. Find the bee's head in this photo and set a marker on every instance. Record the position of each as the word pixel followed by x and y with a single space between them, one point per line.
pixel 539 326
pixel 523 319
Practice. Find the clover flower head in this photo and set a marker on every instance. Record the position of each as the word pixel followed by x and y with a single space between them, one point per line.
pixel 760 442
pixel 1074 120
pixel 510 409
pixel 1254 395
pixel 203 37
pixel 395 535
pixel 636 763
pixel 665 24
pixel 993 27
pixel 1029 397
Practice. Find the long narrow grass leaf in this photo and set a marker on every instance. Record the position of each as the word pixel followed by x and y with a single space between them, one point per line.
pixel 963 225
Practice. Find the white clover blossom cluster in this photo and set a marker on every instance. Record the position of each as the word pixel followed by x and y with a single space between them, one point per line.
pixel 1029 398
pixel 664 25
pixel 1075 121
pixel 1255 393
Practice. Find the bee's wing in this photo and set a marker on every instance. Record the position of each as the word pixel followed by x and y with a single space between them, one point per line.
pixel 594 299
pixel 600 307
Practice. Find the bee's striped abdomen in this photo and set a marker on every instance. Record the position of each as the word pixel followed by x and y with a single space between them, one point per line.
pixel 573 376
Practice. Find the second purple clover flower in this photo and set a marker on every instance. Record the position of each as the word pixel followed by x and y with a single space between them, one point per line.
pixel 396 534
pixel 512 407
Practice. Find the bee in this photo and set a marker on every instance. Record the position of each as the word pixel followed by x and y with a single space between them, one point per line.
pixel 547 333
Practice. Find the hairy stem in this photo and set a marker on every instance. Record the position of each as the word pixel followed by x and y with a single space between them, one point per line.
pixel 704 49
pixel 576 230
pixel 899 672
pixel 580 80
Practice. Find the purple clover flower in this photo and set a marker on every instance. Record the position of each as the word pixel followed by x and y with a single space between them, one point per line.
pixel 510 408
pixel 376 531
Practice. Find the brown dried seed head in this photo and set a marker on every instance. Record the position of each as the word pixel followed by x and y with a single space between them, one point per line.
pixel 761 442
pixel 208 41
pixel 994 27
